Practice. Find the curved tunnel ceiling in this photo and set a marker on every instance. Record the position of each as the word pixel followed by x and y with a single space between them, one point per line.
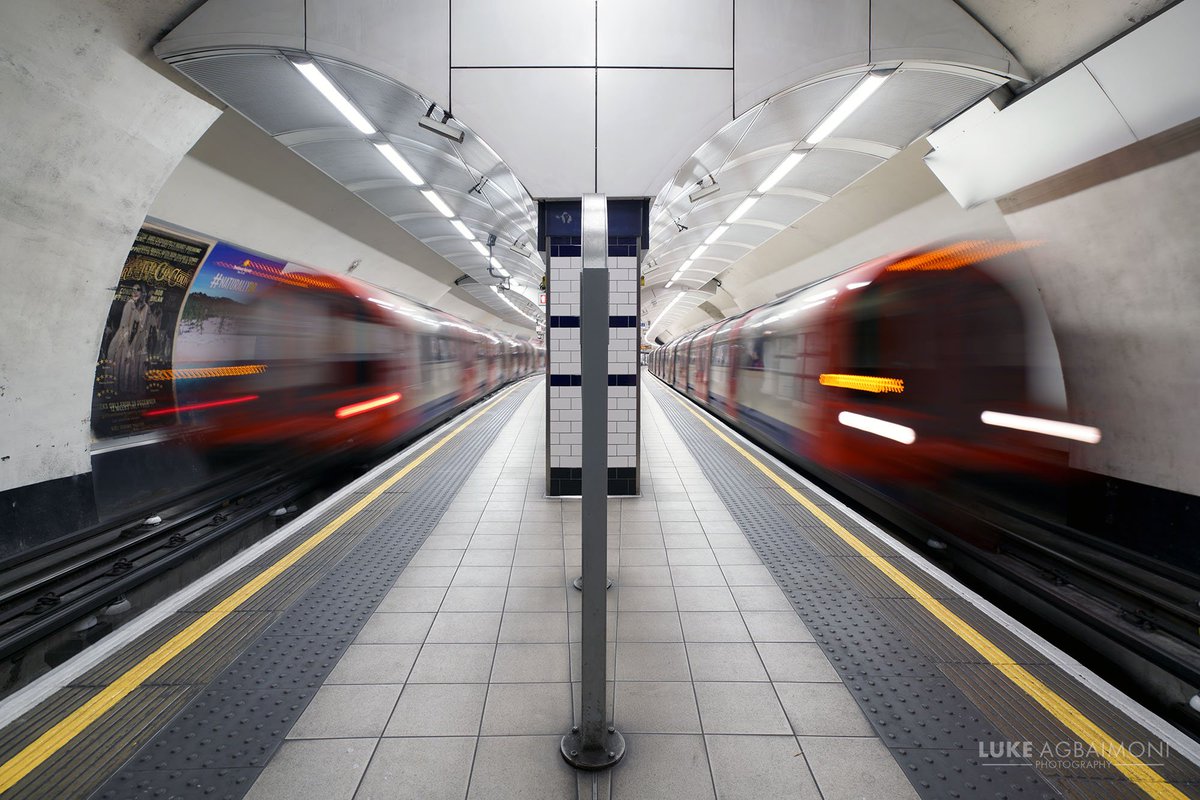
pixel 763 73
pixel 482 197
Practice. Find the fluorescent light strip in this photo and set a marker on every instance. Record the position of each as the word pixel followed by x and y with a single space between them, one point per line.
pixel 462 228
pixel 741 210
pixel 717 234
pixel 879 427
pixel 397 161
pixel 699 251
pixel 1050 427
pixel 317 78
pixel 437 202
pixel 847 107
pixel 780 172
pixel 500 268
pixel 670 283
pixel 483 251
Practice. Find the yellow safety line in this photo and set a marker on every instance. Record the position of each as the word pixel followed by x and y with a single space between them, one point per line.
pixel 53 740
pixel 1104 745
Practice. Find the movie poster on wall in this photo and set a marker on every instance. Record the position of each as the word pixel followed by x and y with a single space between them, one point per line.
pixel 133 368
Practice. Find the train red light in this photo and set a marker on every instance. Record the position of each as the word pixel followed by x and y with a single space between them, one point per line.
pixel 367 405
pixel 198 406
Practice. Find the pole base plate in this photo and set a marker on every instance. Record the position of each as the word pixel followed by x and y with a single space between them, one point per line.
pixel 597 759
pixel 578 583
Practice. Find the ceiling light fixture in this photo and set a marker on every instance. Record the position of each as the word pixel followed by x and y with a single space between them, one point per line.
pixel 781 171
pixel 499 268
pixel 716 234
pixel 440 127
pixel 483 251
pixel 437 202
pixel 867 87
pixel 699 251
pixel 704 189
pixel 398 161
pixel 670 283
pixel 321 82
pixel 742 208
pixel 461 227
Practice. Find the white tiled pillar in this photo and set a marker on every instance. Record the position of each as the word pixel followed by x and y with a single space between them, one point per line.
pixel 565 425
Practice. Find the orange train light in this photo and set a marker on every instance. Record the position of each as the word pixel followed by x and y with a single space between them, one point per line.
pixel 367 405
pixel 863 383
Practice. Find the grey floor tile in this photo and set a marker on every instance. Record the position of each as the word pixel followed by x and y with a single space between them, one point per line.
pixel 704 598
pixel 453 527
pixel 481 576
pixel 532 557
pixel 474 598
pixel 797 662
pixel 677 540
pixel 760 768
pixel 521 627
pixel 648 626
pixel 776 626
pixel 538 576
pixel 645 598
pixel 692 557
pixel 493 539
pixel 346 712
pixel 745 575
pixel 640 541
pixel 455 627
pixel 418 769
pixel 427 557
pixel 732 556
pixel 664 768
pixel 725 661
pixel 314 770
pixel 658 661
pixel 411 599
pixel 713 626
pixel 822 709
pixel 426 576
pixel 760 598
pixel 531 663
pixel 649 557
pixel 849 769
pixel 375 663
pixel 395 628
pixel 543 775
pixel 656 707
pixel 740 708
pixel 644 576
pixel 438 709
pixel 536 598
pixel 526 709
pixel 453 663
pixel 488 558
pixel 697 576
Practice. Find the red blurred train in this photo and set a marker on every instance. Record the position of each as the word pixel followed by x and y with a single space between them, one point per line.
pixel 326 362
pixel 900 372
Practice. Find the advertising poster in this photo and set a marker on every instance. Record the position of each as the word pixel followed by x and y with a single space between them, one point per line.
pixel 228 281
pixel 133 366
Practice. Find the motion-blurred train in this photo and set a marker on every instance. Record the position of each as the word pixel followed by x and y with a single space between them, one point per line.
pixel 902 372
pixel 325 363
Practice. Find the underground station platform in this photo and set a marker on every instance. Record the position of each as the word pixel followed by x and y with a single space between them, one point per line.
pixel 418 636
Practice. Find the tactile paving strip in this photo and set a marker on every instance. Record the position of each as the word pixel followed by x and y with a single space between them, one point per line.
pixel 220 740
pixel 927 723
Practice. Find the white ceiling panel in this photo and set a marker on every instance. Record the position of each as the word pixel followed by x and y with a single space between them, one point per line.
pixel 523 33
pixel 651 120
pixel 784 42
pixel 1150 75
pixel 935 29
pixel 407 40
pixel 665 33
pixel 540 121
pixel 1065 122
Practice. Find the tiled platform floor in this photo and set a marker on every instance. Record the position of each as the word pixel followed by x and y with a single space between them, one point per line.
pixel 462 683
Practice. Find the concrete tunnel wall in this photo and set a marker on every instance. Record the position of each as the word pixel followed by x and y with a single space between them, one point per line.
pixel 90 132
pixel 96 138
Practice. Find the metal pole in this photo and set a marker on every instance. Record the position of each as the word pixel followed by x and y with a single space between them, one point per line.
pixel 594 743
